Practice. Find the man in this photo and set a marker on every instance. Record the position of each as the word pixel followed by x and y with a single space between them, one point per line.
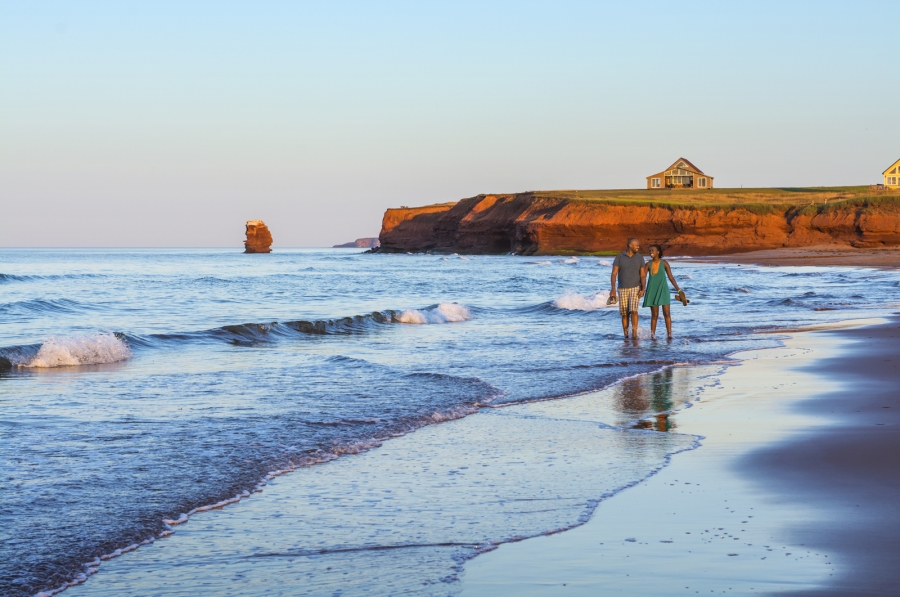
pixel 628 269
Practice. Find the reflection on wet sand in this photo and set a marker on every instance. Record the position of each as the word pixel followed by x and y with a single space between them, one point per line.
pixel 650 398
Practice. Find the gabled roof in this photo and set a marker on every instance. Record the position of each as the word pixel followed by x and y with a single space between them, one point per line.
pixel 897 163
pixel 687 165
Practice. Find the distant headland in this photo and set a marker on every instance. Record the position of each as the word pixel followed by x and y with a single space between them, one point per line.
pixel 360 243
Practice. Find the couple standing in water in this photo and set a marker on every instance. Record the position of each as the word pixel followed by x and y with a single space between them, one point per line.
pixel 639 279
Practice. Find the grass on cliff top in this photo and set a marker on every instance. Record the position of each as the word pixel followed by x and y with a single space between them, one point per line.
pixel 764 200
pixel 779 196
pixel 797 200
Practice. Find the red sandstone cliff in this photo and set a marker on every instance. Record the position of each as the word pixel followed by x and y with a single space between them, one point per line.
pixel 528 223
pixel 259 239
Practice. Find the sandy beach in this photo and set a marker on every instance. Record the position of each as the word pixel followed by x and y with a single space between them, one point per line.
pixel 776 485
pixel 817 255
pixel 791 492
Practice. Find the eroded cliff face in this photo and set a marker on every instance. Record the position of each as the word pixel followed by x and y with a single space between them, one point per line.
pixel 529 224
pixel 259 239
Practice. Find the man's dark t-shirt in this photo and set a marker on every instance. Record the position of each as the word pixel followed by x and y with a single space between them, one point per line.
pixel 629 269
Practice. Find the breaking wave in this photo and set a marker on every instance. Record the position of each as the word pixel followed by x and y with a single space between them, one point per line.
pixel 79 350
pixel 572 301
pixel 109 348
pixel 442 313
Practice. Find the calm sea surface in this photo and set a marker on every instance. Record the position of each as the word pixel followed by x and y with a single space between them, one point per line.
pixel 138 385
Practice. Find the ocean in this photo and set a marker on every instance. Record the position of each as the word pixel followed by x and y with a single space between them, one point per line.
pixel 137 386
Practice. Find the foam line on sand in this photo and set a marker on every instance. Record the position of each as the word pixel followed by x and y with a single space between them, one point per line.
pixel 730 517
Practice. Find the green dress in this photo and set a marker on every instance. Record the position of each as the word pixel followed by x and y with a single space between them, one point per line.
pixel 658 292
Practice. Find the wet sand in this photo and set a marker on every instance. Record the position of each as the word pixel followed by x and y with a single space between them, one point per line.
pixel 850 470
pixel 793 492
pixel 816 255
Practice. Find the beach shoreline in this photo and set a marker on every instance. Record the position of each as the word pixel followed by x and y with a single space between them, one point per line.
pixel 817 255
pixel 128 575
pixel 788 448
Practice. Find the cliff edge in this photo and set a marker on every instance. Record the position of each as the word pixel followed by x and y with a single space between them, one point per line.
pixel 712 222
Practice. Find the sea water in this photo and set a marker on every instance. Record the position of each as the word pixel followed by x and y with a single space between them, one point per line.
pixel 138 386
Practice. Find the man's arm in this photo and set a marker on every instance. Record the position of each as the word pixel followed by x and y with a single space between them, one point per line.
pixel 644 272
pixel 612 280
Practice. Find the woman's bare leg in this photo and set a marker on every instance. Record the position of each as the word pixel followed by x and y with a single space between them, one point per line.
pixel 654 316
pixel 668 317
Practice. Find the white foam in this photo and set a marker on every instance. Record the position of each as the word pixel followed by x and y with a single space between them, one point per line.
pixel 573 301
pixel 605 263
pixel 443 313
pixel 542 263
pixel 464 258
pixel 80 350
pixel 569 261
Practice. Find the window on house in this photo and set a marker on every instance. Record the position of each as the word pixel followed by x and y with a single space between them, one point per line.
pixel 702 184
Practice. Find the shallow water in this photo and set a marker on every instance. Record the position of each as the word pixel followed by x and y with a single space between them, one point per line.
pixel 142 384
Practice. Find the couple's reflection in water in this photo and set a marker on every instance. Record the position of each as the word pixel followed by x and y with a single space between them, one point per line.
pixel 648 398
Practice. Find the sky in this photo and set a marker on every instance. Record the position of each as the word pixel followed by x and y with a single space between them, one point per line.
pixel 169 124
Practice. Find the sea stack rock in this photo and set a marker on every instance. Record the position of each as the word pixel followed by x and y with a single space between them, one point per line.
pixel 259 240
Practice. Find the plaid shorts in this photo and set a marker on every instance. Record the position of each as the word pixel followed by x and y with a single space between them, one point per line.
pixel 629 301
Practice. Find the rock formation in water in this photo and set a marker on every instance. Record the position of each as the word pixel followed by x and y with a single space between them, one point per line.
pixel 360 243
pixel 259 239
pixel 540 223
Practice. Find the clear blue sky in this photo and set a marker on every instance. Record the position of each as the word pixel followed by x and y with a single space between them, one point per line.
pixel 171 123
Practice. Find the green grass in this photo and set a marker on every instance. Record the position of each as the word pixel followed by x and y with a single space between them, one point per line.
pixel 759 201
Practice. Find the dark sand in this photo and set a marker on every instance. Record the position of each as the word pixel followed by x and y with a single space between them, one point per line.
pixel 851 470
pixel 794 491
pixel 835 255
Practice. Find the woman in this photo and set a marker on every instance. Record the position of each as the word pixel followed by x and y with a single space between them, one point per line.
pixel 658 294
